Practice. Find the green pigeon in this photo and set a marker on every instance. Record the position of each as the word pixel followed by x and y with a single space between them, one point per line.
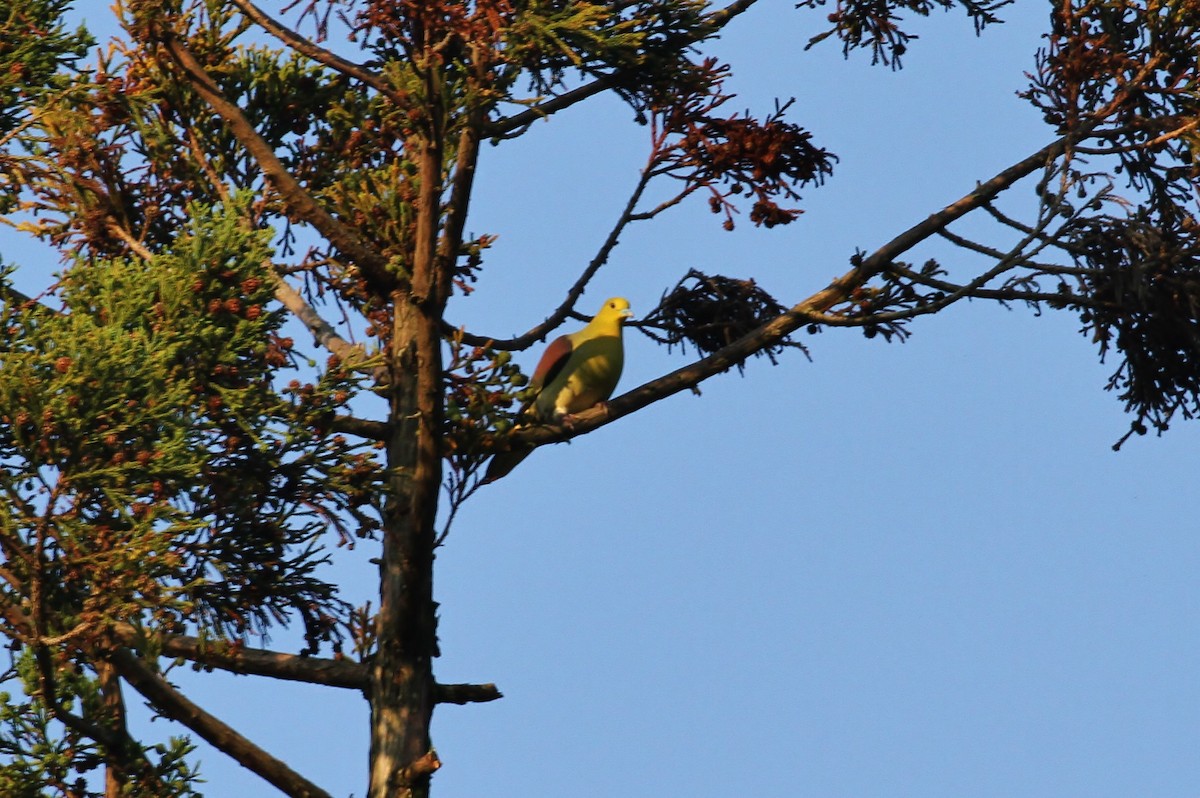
pixel 577 371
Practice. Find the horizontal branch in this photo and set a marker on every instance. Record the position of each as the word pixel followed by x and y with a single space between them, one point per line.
pixel 253 661
pixel 466 693
pixel 362 427
pixel 178 707
pixel 290 667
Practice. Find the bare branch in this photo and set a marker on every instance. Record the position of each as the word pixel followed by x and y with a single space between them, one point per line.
pixel 936 222
pixel 576 291
pixel 971 290
pixel 252 661
pixel 466 158
pixel 322 331
pixel 466 693
pixel 173 704
pixel 124 235
pixel 218 654
pixel 362 427
pixel 721 17
pixel 11 296
pixel 117 770
pixel 505 126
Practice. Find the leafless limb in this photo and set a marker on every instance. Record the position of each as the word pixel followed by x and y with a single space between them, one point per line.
pixel 466 693
pixel 362 427
pixel 176 706
pixel 466 157
pixel 11 296
pixel 234 658
pixel 137 247
pixel 721 17
pixel 564 310
pixel 322 331
pixel 517 123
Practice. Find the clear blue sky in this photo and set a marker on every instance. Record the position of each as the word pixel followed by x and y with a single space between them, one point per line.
pixel 899 570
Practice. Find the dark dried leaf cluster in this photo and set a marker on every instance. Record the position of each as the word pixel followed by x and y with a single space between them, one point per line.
pixel 885 308
pixel 1126 75
pixel 876 23
pixel 1135 68
pixel 737 155
pixel 1146 283
pixel 712 311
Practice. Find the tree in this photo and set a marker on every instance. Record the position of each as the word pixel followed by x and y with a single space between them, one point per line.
pixel 170 490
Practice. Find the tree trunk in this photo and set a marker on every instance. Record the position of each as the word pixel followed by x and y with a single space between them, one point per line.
pixel 116 773
pixel 402 684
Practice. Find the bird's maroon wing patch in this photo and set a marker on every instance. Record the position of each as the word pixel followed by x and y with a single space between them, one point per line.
pixel 552 362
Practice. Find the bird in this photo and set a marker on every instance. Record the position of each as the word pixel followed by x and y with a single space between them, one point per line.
pixel 577 371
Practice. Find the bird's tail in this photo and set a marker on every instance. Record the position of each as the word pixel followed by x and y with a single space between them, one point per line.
pixel 503 462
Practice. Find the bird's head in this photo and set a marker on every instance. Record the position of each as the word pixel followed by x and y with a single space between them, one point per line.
pixel 615 310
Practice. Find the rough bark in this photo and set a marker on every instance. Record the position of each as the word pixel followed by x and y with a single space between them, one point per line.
pixel 403 692
pixel 116 771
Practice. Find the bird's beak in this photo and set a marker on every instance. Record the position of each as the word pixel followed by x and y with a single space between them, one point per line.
pixel 626 314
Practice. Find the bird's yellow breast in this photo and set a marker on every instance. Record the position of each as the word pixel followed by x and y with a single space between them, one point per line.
pixel 590 376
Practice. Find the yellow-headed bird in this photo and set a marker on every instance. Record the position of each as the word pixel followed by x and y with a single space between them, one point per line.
pixel 576 372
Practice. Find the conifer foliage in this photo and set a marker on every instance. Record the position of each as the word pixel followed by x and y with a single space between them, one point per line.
pixel 175 470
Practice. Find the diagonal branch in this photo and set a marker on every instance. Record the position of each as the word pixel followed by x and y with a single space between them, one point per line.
pixel 713 22
pixel 323 332
pixel 807 311
pixel 721 17
pixel 176 706
pixel 466 159
pixel 508 124
pixel 317 53
pixel 11 296
pixel 565 309
pixel 345 239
